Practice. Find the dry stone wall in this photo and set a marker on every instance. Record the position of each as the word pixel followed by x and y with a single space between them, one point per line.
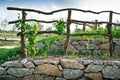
pixel 60 69
pixel 87 45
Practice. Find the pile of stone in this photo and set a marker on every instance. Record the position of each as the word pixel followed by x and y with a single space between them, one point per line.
pixel 60 69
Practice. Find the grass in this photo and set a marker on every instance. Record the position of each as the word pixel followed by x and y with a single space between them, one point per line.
pixel 9 54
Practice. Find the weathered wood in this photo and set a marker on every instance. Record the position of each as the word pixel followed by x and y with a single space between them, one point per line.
pixel 28 20
pixel 96 25
pixel 110 34
pixel 84 25
pixel 68 32
pixel 23 39
pixel 55 11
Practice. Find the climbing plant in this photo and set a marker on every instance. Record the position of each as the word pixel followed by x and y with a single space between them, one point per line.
pixel 31 34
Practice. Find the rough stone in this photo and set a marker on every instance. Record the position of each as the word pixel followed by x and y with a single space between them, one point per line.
pixel 48 69
pixel 38 62
pixel 83 78
pixel 94 68
pixel 7 77
pixel 105 46
pixel 117 49
pixel 72 49
pixel 117 63
pixel 72 74
pixel 71 64
pixel 93 46
pixel 111 72
pixel 34 77
pixel 98 62
pixel 29 65
pixel 39 45
pixel 60 78
pixel 24 61
pixel 15 64
pixel 2 71
pixel 74 43
pixel 55 62
pixel 87 62
pixel 80 47
pixel 19 72
pixel 94 76
pixel 60 68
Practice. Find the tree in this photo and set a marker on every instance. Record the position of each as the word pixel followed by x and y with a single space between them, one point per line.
pixel 4 23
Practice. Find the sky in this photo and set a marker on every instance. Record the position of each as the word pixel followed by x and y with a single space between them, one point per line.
pixel 49 5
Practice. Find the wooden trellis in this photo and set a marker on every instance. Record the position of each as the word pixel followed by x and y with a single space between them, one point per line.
pixel 69 21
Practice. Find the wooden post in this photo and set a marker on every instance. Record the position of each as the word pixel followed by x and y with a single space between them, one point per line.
pixel 68 32
pixel 110 34
pixel 23 39
pixel 96 21
pixel 84 25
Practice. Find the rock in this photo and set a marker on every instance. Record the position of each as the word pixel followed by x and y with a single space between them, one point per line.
pixel 15 64
pixel 94 76
pixel 39 45
pixel 29 65
pixel 54 47
pixel 105 46
pixel 117 50
pixel 2 71
pixel 54 62
pixel 7 77
pixel 48 69
pixel 87 62
pixel 60 68
pixel 98 62
pixel 66 63
pixel 24 61
pixel 74 43
pixel 19 72
pixel 83 78
pixel 60 78
pixel 80 47
pixel 72 74
pixel 34 77
pixel 94 68
pixel 72 49
pixel 93 46
pixel 111 72
pixel 38 62
pixel 117 63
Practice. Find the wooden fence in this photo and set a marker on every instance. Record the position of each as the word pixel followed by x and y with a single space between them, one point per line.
pixel 69 21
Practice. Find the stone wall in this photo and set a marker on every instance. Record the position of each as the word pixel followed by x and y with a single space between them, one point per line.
pixel 60 69
pixel 87 45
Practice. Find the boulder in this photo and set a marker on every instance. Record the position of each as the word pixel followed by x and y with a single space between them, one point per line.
pixel 19 72
pixel 111 72
pixel 94 68
pixel 48 69
pixel 2 71
pixel 94 76
pixel 71 64
pixel 15 64
pixel 72 74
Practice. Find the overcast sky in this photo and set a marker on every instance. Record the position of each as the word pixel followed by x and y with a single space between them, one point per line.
pixel 49 5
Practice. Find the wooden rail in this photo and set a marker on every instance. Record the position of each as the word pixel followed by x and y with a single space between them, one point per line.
pixel 68 22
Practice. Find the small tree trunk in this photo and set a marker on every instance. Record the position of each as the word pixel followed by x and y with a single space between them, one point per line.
pixel 68 32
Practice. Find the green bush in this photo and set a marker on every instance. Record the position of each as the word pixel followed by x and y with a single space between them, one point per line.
pixel 9 54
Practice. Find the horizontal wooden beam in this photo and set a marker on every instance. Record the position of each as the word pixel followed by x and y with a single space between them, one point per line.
pixel 55 11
